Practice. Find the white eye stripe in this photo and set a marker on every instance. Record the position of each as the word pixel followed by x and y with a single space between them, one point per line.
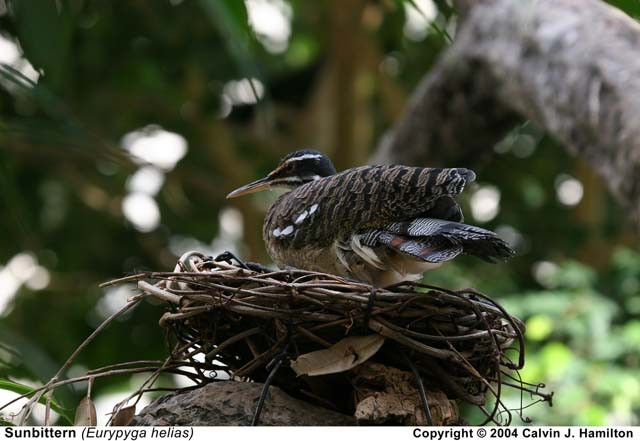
pixel 313 208
pixel 288 230
pixel 289 179
pixel 305 156
pixel 298 180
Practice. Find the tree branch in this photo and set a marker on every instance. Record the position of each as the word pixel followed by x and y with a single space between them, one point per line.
pixel 232 403
pixel 571 66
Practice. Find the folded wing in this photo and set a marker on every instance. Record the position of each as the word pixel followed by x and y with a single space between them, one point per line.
pixel 438 240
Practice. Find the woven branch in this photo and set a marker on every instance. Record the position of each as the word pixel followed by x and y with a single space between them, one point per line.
pixel 241 319
pixel 225 321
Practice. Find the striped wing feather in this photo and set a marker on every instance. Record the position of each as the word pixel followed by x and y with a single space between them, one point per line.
pixel 365 198
pixel 438 240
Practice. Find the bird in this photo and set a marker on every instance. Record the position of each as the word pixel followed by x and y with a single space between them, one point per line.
pixel 378 224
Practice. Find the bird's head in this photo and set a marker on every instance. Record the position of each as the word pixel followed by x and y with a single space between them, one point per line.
pixel 295 169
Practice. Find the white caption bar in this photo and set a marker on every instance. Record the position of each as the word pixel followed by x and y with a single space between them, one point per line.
pixel 317 433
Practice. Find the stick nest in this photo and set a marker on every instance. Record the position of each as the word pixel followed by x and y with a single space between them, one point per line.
pixel 341 344
pixel 224 318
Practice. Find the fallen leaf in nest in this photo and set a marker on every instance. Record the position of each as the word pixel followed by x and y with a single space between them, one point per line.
pixel 344 355
pixel 124 416
pixel 86 413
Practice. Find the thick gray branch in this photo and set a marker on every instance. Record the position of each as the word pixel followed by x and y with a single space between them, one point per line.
pixel 232 403
pixel 571 66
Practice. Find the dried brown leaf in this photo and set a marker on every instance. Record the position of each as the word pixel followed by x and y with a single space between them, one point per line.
pixel 344 355
pixel 86 413
pixel 124 416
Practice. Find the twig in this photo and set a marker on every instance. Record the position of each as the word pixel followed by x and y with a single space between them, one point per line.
pixel 26 409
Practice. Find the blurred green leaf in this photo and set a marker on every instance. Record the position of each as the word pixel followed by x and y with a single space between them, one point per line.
pixel 533 193
pixel 539 327
pixel 556 359
pixel 35 361
pixel 594 415
pixel 631 7
pixel 231 19
pixel 45 36
pixel 302 50
pixel 573 275
pixel 617 382
pixel 631 335
pixel 23 389
pixel 627 260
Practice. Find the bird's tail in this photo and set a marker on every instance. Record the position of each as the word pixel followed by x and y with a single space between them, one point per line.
pixel 437 240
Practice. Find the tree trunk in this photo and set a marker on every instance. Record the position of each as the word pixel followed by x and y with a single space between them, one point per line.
pixel 570 66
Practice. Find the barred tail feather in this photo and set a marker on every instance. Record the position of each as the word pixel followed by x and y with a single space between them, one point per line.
pixel 436 240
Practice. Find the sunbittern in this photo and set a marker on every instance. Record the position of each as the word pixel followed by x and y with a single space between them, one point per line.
pixel 378 224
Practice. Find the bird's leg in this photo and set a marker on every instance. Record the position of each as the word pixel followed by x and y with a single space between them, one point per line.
pixel 421 390
pixel 369 309
pixel 229 257
pixel 273 367
pixel 258 267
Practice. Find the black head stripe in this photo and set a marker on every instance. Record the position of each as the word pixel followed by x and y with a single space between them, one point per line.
pixel 300 153
pixel 306 164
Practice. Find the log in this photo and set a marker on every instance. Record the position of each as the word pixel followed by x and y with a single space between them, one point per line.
pixel 232 403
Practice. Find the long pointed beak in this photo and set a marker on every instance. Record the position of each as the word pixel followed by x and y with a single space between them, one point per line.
pixel 260 184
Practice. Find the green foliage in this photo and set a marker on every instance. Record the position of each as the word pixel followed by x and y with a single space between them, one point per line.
pixel 230 17
pixel 582 344
pixel 35 19
pixel 631 7
pixel 20 355
pixel 30 391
